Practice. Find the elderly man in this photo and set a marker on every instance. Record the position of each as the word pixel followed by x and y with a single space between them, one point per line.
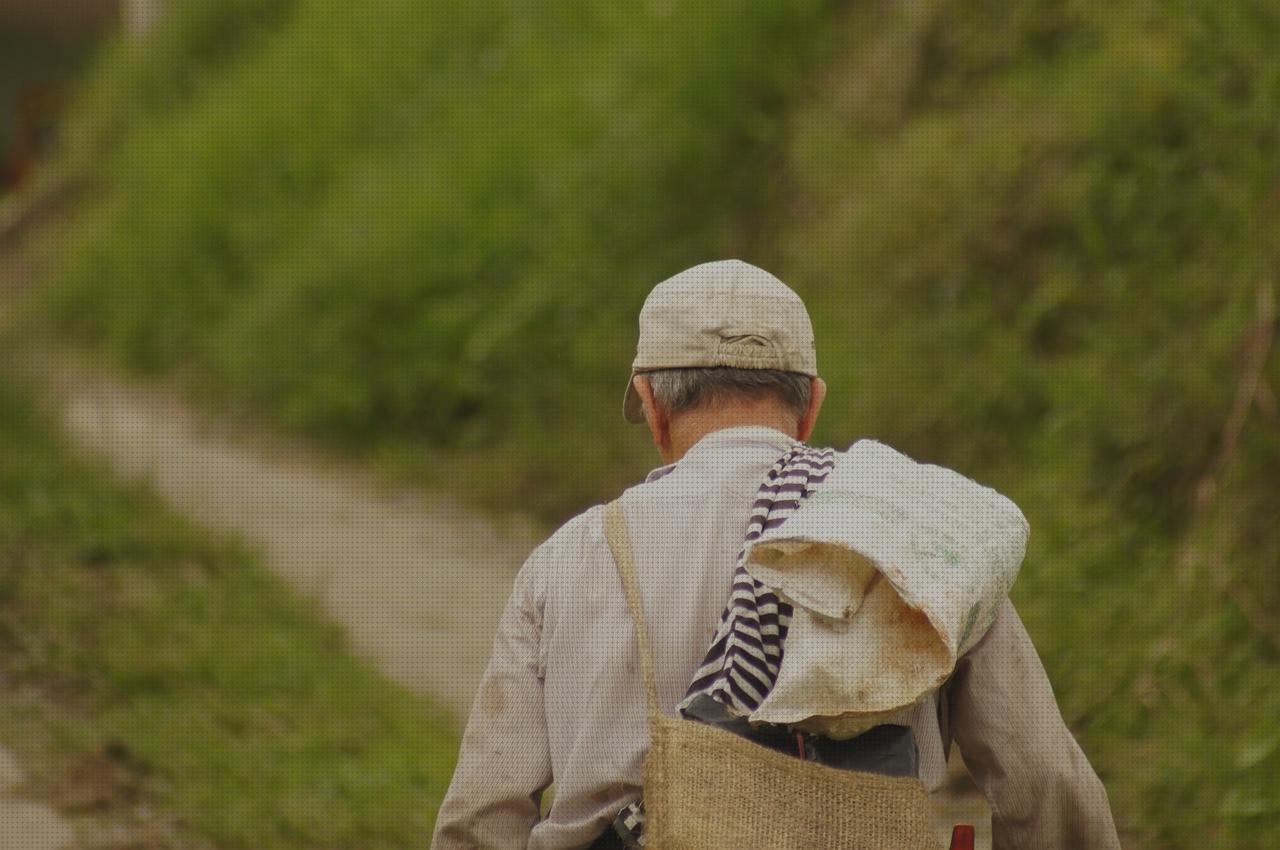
pixel 726 379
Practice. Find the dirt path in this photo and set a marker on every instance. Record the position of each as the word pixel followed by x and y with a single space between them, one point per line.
pixel 417 580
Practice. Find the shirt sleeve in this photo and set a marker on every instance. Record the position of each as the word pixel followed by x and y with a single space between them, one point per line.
pixel 1043 793
pixel 504 762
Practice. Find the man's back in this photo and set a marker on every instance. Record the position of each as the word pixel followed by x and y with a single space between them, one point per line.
pixel 569 629
pixel 687 523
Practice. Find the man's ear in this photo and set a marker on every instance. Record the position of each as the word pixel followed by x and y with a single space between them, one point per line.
pixel 817 395
pixel 658 421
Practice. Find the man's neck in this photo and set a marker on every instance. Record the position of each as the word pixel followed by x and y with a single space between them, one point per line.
pixel 690 427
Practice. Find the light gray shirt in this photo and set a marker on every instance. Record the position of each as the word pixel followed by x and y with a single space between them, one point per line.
pixel 562 698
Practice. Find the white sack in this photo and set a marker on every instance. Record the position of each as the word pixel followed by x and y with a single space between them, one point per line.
pixel 895 569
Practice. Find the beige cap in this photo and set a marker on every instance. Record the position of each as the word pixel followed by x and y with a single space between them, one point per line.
pixel 726 313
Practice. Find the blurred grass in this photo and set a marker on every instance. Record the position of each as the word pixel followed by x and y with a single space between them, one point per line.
pixel 137 653
pixel 1032 240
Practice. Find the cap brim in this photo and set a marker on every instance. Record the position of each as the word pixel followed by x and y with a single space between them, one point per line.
pixel 631 407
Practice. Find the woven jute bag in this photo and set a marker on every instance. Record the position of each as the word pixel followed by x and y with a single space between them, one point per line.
pixel 708 789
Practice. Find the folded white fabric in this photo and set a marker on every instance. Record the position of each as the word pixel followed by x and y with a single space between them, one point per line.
pixel 895 569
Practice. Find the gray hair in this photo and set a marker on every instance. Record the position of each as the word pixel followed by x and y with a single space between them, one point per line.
pixel 678 390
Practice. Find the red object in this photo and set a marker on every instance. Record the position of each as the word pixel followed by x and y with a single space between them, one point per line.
pixel 962 837
pixel 34 119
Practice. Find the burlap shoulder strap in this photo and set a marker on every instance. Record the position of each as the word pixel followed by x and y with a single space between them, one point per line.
pixel 615 531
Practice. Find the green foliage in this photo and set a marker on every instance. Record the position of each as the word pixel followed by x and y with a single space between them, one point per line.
pixel 179 658
pixel 326 175
pixel 1032 240
pixel 143 80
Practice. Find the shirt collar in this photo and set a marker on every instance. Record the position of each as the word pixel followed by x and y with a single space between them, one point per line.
pixel 739 437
